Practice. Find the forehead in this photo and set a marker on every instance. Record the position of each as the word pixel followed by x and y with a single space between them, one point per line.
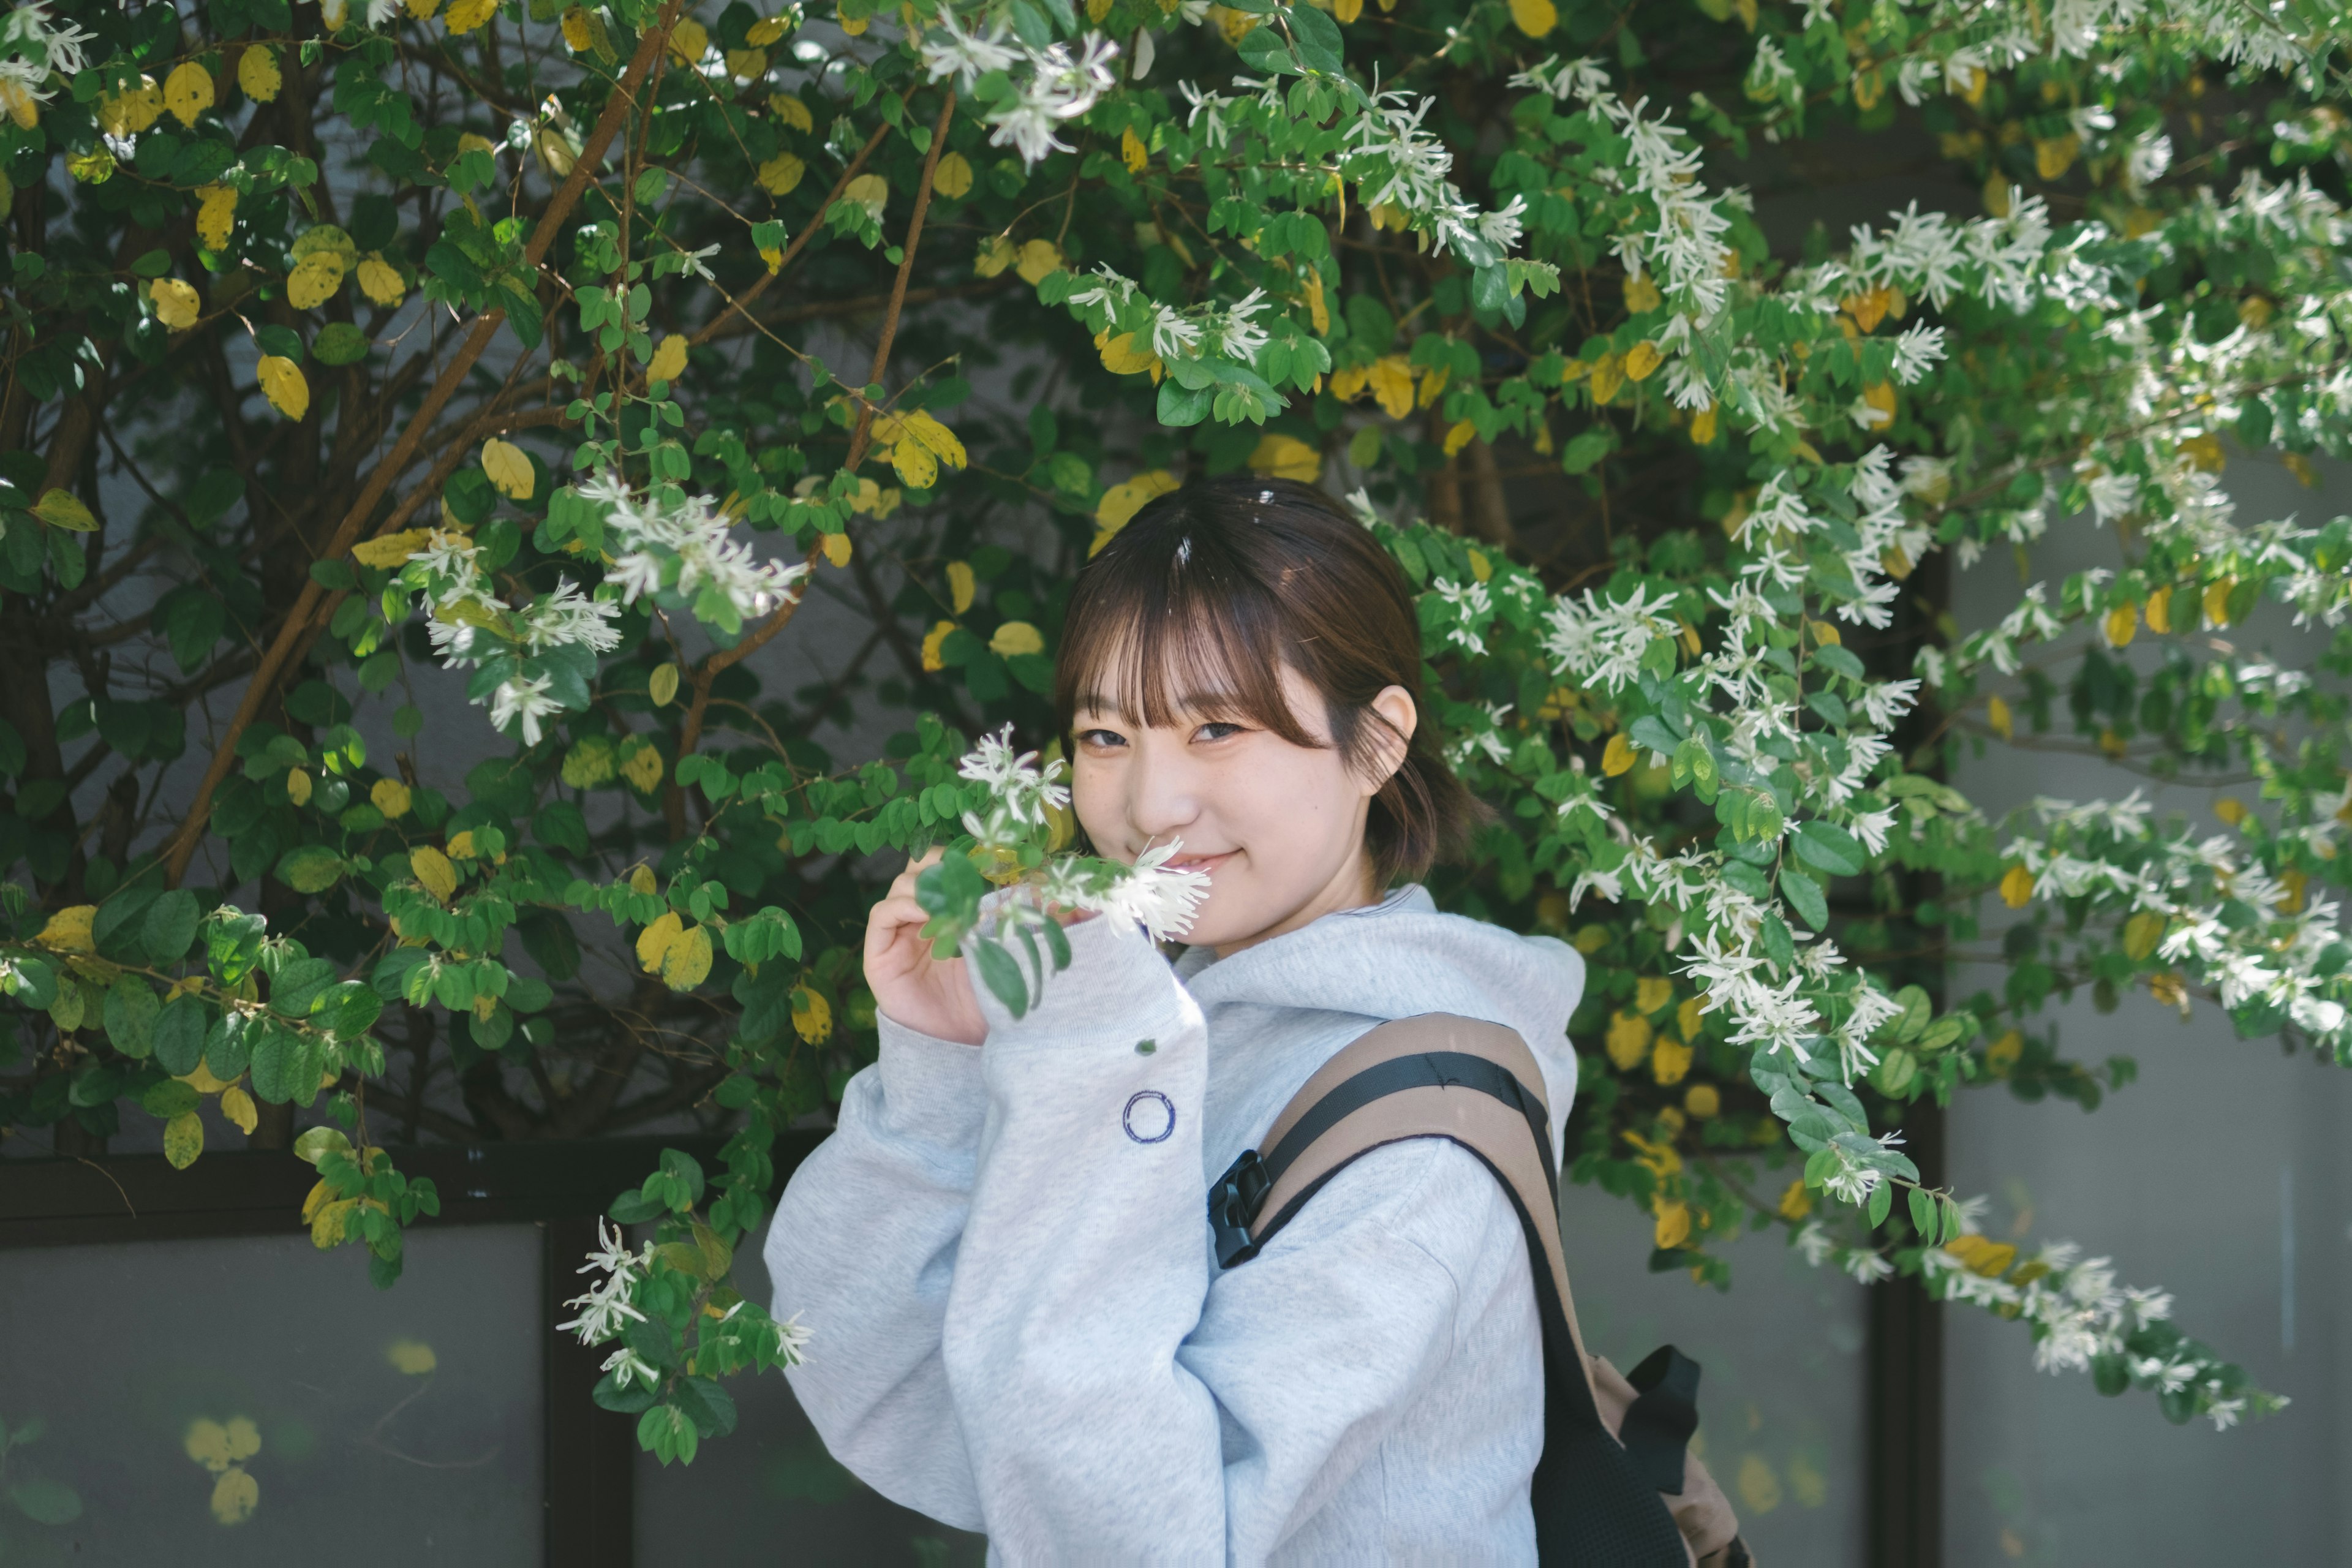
pixel 1162 674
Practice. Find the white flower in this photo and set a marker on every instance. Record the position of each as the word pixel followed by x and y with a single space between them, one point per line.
pixel 567 617
pixel 527 700
pixel 949 50
pixel 1161 901
pixel 1242 337
pixel 1173 337
pixel 632 1368
pixel 1917 352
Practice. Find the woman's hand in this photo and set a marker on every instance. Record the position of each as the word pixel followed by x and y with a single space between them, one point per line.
pixel 927 994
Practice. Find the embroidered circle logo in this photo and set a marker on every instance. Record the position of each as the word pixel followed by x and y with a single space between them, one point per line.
pixel 1149 1116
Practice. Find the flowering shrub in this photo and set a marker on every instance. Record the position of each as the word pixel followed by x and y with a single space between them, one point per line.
pixel 358 353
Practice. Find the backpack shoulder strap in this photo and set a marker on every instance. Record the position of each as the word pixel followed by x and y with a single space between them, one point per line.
pixel 1476 1084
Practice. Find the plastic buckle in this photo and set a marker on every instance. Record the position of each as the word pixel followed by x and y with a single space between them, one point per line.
pixel 1233 1204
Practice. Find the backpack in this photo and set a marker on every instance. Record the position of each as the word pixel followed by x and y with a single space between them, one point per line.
pixel 1616 1487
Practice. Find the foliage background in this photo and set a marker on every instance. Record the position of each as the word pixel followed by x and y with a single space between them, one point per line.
pixel 332 282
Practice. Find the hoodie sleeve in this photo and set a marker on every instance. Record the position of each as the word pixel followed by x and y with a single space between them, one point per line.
pixel 863 1247
pixel 1096 1432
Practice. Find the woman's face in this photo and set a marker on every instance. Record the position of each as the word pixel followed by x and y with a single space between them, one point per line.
pixel 1279 828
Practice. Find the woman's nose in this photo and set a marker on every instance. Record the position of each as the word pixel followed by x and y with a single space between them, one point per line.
pixel 1163 797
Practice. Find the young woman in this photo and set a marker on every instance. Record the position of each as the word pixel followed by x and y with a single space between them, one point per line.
pixel 1003 1253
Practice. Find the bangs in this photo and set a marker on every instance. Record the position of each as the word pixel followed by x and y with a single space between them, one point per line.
pixel 1185 630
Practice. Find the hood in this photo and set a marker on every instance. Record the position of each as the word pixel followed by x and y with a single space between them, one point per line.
pixel 1399 958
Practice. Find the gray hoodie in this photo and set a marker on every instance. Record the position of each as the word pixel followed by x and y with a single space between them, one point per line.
pixel 1019 1326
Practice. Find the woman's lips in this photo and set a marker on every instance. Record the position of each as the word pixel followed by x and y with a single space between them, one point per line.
pixel 1209 863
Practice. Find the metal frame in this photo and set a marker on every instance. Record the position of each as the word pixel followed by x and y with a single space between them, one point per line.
pixel 561 1187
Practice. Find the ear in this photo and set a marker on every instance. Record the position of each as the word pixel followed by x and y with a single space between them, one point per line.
pixel 1400 717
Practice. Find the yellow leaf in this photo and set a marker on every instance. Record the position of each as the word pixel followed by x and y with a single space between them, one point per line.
pixel 183 1140
pixel 1641 295
pixel 422 10
pixel 1123 355
pixel 1653 992
pixel 961 585
pixel 314 281
pixel 92 168
pixel 1760 1489
pixel 1628 1039
pixel 641 767
pixel 915 469
pixel 1458 436
pixel 2217 600
pixel 996 254
pixel 668 361
pixel 201 1080
pixel 1795 1203
pixel 215 212
pixel 1038 258
pixel 1670 1061
pixel 781 174
pixel 298 786
pixel 207 1442
pixel 1642 361
pixel 747 65
pixel 391 797
pixel 685 962
pixel 1689 1015
pixel 2122 626
pixel 1391 379
pixel 1674 1224
pixel 1285 458
pixel 766 31
pixel 508 470
pixel 465 15
pixel 1433 382
pixel 2296 884
pixel 2300 466
pixel 320 1194
pixel 1608 375
pixel 413 1358
pixel 2142 932
pixel 1534 17
pixel 812 1015
pixel 1997 715
pixel 952 178
pixel 688 40
pixel 871 192
pixel 1122 502
pixel 774 258
pixel 854 26
pixel 2016 886
pixel 2205 451
pixel 188 91
pixel 433 872
pixel 1879 397
pixel 2053 157
pixel 1345 10
pixel 392 549
pixel 1982 1254
pixel 67 931
pixel 129 113
pixel 934 641
pixel 655 939
pixel 2230 809
pixel 461 845
pixel 578 31
pixel 239 1108
pixel 1702 426
pixel 329 1225
pixel 662 685
pixel 380 282
pixel 641 879
pixel 176 302
pixel 837 547
pixel 1617 756
pixel 1998 195
pixel 1590 940
pixel 1016 637
pixel 1481 568
pixel 788 108
pixel 282 384
pixel 1703 1101
pixel 2159 610
pixel 1132 151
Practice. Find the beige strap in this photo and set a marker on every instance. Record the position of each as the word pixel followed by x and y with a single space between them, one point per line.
pixel 1477 1120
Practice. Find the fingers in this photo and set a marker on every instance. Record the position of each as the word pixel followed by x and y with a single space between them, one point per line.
pixel 905 881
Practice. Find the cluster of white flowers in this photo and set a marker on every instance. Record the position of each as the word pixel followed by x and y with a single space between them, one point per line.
pixel 607 1308
pixel 1601 641
pixel 688 547
pixel 1063 82
pixel 33 44
pixel 470 625
pixel 1021 800
pixel 1395 161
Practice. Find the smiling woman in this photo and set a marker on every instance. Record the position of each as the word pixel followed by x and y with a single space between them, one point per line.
pixel 1254 605
pixel 1031 1339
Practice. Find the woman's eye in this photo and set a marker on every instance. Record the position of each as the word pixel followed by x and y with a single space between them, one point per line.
pixel 1101 738
pixel 1217 731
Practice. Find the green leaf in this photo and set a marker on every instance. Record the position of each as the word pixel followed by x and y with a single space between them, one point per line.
pixel 707 1404
pixel 45 1502
pixel 1882 1203
pixel 169 1099
pixel 131 1007
pixel 1826 847
pixel 340 342
pixel 178 1035
pixel 1317 37
pixel 317 1143
pixel 1923 1215
pixel 170 927
pixel 1804 896
pixel 1001 974
pixel 311 868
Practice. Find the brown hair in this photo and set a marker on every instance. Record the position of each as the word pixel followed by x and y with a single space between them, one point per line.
pixel 1214 588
